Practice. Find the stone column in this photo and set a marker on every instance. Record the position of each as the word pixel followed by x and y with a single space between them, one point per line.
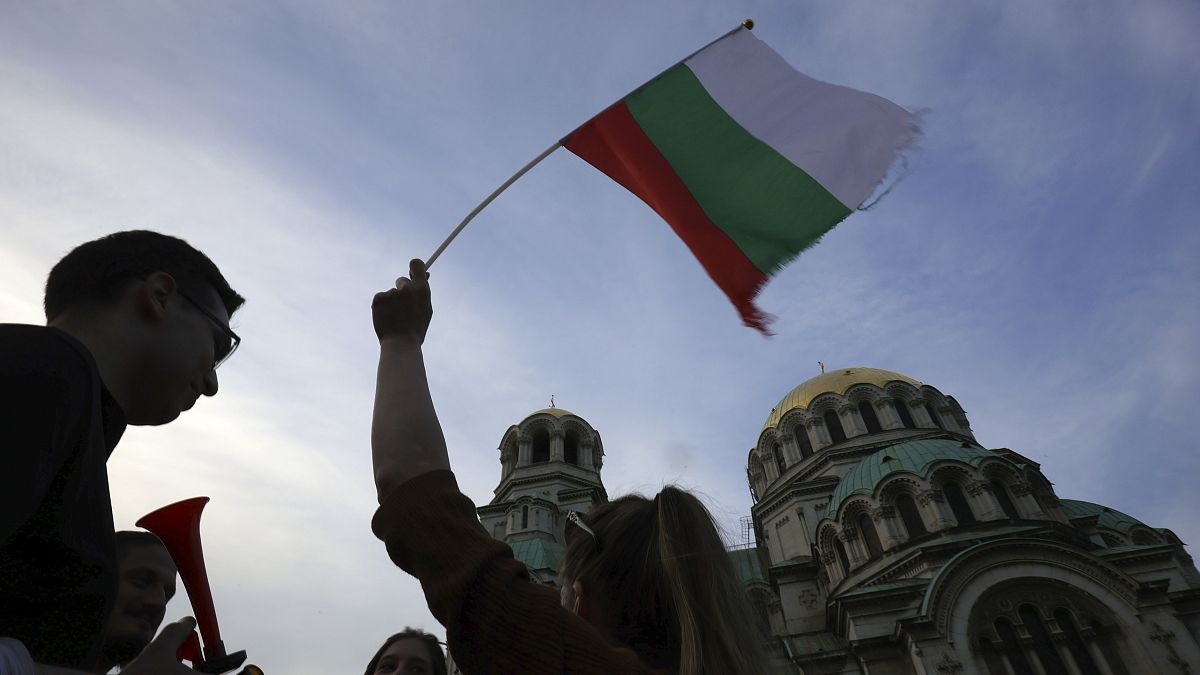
pixel 524 451
pixel 586 448
pixel 1027 506
pixel 556 445
pixel 1007 663
pixel 1031 655
pixel 983 502
pixel 787 445
pixel 1064 654
pixel 933 504
pixel 920 415
pixel 854 547
pixel 819 434
pixel 1053 508
pixel 832 569
pixel 888 417
pixel 852 422
pixel 770 469
pixel 944 416
pixel 1097 655
pixel 885 519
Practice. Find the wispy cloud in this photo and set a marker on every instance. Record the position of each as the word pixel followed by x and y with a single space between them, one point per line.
pixel 1037 264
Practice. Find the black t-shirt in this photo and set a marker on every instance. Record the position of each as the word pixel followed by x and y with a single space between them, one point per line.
pixel 58 425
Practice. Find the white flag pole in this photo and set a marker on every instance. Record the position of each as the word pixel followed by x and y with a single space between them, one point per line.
pixel 496 193
pixel 747 24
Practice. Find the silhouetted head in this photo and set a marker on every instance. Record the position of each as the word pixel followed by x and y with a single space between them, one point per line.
pixel 409 652
pixel 654 576
pixel 155 313
pixel 146 584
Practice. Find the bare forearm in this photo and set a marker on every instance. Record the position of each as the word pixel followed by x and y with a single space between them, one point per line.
pixel 406 437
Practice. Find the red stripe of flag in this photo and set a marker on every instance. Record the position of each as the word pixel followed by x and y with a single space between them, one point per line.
pixel 615 144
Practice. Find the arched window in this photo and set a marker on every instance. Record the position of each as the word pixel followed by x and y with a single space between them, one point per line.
pixel 869 535
pixel 802 442
pixel 836 432
pixel 541 446
pixel 937 420
pixel 1042 645
pixel 839 552
pixel 869 417
pixel 910 516
pixel 780 460
pixel 524 517
pixel 1012 647
pixel 571 447
pixel 1006 503
pixel 905 416
pixel 958 504
pixel 1079 652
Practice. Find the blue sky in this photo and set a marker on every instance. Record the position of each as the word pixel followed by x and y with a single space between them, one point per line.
pixel 1038 263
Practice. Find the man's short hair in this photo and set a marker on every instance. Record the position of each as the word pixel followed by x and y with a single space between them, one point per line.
pixel 128 540
pixel 97 271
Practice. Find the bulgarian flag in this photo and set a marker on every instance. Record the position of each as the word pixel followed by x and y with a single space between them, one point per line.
pixel 748 160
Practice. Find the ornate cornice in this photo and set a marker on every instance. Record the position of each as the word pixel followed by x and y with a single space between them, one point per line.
pixel 931 496
pixel 857 447
pixel 978 487
pixel 510 483
pixel 962 569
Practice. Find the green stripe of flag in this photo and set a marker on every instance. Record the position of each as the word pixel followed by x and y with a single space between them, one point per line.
pixel 768 206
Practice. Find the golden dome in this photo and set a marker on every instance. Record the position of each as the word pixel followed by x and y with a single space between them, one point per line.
pixel 554 412
pixel 836 382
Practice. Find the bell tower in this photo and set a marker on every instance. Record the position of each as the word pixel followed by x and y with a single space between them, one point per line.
pixel 550 464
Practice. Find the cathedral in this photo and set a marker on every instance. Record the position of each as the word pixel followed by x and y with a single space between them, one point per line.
pixel 887 541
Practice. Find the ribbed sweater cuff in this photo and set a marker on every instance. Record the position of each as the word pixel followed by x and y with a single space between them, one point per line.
pixel 432 532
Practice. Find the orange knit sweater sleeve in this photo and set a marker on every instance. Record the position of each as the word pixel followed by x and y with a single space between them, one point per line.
pixel 497 620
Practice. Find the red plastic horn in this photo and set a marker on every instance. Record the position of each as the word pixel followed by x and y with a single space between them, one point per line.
pixel 178 526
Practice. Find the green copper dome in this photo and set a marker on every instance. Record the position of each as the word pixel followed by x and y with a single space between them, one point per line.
pixel 912 457
pixel 1107 518
pixel 538 554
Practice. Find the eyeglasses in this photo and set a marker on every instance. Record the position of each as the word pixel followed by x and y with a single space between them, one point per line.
pixel 576 519
pixel 222 352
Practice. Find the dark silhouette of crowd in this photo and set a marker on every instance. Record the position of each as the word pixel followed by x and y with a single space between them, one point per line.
pixel 137 326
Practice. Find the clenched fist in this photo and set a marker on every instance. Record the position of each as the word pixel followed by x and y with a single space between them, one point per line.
pixel 402 314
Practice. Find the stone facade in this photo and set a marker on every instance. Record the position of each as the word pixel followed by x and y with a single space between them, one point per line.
pixel 550 464
pixel 894 543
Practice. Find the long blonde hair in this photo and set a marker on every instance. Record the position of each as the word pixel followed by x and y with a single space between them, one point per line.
pixel 665 585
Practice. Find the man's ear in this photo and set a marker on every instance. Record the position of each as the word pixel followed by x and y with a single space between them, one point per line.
pixel 582 605
pixel 155 293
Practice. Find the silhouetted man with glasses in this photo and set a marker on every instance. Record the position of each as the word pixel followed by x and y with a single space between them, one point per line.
pixel 137 323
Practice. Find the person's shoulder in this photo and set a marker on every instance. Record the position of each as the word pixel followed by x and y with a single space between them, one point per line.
pixel 15 658
pixel 41 351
